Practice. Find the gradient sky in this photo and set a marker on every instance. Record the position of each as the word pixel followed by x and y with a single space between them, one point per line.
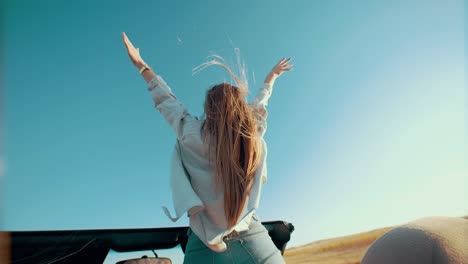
pixel 368 130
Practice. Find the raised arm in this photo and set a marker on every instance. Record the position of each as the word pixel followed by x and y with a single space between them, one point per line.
pixel 261 100
pixel 134 55
pixel 165 101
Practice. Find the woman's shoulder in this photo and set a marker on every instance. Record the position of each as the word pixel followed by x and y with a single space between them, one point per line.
pixel 193 127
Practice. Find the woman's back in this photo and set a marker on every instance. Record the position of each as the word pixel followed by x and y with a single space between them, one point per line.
pixel 194 153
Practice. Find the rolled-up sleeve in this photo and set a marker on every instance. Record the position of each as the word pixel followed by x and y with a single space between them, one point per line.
pixel 166 102
pixel 259 106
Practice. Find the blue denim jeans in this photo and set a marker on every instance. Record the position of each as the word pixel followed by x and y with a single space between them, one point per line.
pixel 252 246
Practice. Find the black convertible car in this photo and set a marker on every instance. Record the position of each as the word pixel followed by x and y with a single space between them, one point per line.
pixel 92 246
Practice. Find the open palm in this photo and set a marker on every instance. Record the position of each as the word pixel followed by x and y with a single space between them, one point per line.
pixel 282 66
pixel 133 53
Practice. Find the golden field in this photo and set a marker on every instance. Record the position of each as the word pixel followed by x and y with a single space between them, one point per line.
pixel 341 250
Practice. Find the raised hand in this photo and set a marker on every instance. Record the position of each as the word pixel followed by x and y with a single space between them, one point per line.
pixel 282 66
pixel 133 53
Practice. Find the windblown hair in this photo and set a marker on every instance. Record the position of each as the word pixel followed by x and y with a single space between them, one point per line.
pixel 232 128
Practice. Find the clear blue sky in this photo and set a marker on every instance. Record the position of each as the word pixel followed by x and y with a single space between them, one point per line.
pixel 369 130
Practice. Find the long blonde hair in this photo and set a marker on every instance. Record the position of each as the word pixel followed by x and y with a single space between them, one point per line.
pixel 232 128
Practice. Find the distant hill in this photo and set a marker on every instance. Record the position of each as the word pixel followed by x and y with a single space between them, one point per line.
pixel 341 250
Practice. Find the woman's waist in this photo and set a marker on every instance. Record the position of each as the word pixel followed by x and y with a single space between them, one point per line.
pixel 254 226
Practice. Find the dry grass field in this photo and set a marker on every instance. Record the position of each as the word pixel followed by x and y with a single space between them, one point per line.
pixel 342 250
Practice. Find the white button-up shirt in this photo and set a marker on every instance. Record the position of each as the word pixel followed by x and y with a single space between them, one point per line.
pixel 192 174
